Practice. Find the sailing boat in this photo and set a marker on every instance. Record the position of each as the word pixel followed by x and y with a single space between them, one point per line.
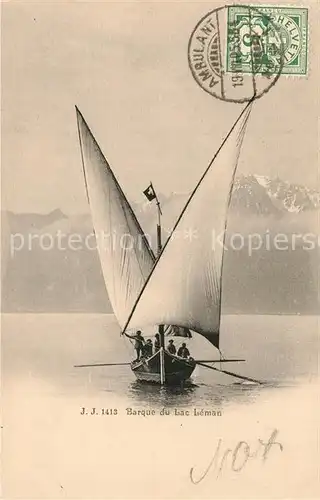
pixel 182 287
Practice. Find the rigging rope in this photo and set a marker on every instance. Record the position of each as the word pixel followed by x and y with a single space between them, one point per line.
pixel 221 357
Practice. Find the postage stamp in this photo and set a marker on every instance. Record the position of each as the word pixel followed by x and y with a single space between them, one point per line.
pixel 261 28
pixel 221 44
pixel 237 53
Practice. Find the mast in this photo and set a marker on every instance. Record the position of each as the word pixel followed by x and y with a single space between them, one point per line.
pixel 161 327
pixel 159 239
pixel 159 248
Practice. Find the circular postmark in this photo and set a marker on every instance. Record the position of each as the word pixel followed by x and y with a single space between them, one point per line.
pixel 236 53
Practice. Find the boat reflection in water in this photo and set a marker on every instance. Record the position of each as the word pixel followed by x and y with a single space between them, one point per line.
pixel 162 396
pixel 214 396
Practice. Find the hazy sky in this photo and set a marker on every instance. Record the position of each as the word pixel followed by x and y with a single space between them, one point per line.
pixel 125 66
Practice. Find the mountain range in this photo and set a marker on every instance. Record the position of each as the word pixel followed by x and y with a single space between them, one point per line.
pixel 269 281
pixel 263 195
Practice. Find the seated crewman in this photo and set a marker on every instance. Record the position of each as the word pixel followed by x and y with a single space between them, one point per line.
pixel 171 347
pixel 147 348
pixel 183 351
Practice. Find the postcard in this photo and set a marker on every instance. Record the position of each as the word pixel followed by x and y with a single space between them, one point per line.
pixel 160 250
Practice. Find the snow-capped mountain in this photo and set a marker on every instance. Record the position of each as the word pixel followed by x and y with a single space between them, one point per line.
pixel 264 196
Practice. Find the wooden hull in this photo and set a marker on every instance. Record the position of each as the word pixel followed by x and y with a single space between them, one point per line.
pixel 176 369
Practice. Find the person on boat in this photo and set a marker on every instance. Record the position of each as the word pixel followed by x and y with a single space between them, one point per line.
pixel 183 351
pixel 148 348
pixel 171 347
pixel 138 343
pixel 187 332
pixel 157 342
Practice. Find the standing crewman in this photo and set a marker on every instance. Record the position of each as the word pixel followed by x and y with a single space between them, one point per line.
pixel 156 342
pixel 138 343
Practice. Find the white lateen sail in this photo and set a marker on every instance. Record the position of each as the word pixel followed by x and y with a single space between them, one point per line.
pixel 125 255
pixel 184 288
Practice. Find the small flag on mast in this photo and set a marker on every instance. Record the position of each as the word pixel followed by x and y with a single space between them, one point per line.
pixel 150 193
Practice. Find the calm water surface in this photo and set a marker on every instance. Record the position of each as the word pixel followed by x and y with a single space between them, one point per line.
pixel 279 350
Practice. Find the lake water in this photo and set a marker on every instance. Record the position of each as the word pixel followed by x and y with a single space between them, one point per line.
pixel 50 450
pixel 279 350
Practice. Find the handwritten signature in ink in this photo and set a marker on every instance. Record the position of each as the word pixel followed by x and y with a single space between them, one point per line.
pixel 237 458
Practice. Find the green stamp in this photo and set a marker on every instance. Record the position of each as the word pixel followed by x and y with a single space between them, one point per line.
pixel 263 40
